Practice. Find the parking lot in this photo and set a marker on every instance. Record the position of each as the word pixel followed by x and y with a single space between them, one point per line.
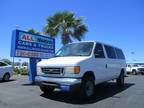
pixel 17 93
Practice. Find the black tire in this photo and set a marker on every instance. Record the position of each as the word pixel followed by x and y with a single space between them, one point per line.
pixel 128 73
pixel 87 87
pixel 47 89
pixel 6 77
pixel 120 79
pixel 134 72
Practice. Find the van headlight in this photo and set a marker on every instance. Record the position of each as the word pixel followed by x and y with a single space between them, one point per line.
pixel 39 69
pixel 72 70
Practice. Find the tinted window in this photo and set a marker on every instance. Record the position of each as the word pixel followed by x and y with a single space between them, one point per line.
pixel 129 66
pixel 119 53
pixel 99 53
pixel 2 64
pixel 135 65
pixel 110 51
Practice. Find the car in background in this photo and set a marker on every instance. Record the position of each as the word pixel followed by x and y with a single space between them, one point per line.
pixel 19 65
pixel 135 69
pixel 5 71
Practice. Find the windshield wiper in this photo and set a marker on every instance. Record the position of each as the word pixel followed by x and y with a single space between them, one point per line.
pixel 68 55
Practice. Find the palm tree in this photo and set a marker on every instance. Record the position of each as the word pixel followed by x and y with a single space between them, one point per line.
pixel 31 30
pixel 67 25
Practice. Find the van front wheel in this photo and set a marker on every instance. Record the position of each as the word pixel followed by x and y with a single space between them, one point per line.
pixel 120 79
pixel 88 87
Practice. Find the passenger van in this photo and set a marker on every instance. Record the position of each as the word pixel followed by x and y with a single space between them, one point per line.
pixel 81 65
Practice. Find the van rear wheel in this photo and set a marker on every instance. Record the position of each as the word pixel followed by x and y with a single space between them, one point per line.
pixel 120 79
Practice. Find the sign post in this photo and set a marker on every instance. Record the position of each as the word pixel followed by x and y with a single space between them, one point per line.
pixel 32 46
pixel 32 69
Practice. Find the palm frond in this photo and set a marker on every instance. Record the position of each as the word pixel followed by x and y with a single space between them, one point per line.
pixel 66 24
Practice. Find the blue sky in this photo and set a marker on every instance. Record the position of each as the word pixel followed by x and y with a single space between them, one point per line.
pixel 116 22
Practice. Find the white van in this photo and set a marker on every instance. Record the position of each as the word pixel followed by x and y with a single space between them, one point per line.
pixel 81 65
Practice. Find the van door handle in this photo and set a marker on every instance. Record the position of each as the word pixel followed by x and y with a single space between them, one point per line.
pixel 106 66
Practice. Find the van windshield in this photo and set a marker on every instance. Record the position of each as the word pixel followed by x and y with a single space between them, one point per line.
pixel 76 49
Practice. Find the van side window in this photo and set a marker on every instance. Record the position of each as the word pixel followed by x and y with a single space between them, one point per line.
pixel 110 52
pixel 99 53
pixel 119 53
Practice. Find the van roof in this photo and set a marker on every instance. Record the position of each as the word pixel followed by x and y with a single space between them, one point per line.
pixel 97 42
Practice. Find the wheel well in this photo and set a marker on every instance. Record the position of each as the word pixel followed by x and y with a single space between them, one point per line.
pixel 7 73
pixel 122 70
pixel 89 73
pixel 133 70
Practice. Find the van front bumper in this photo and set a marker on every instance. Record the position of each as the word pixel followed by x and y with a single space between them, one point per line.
pixel 64 84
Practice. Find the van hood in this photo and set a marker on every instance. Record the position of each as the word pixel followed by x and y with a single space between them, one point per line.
pixel 61 61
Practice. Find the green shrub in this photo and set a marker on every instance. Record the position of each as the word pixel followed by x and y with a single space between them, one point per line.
pixel 21 71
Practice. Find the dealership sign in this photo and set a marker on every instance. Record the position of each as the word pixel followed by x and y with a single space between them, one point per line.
pixel 29 45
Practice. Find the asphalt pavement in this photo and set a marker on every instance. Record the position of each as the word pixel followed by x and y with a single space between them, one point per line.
pixel 18 93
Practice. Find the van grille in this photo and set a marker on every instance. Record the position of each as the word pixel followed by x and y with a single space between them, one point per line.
pixel 141 69
pixel 48 70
